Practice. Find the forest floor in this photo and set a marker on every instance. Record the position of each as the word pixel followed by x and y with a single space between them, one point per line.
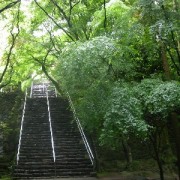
pixel 125 175
pixel 122 176
pixel 139 170
pixel 137 175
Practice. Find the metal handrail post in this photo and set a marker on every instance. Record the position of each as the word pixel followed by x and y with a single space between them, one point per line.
pixel 91 156
pixel 43 87
pixel 85 139
pixel 50 125
pixel 21 129
pixel 56 92
pixel 31 90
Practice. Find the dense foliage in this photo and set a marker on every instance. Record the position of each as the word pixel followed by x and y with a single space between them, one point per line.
pixel 118 59
pixel 9 128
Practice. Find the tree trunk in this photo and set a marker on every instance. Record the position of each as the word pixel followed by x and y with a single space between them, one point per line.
pixel 51 79
pixel 157 156
pixel 161 172
pixel 127 152
pixel 176 130
pixel 165 62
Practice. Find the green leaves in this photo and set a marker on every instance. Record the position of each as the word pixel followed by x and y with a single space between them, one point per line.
pixel 129 105
pixel 125 112
pixel 158 97
pixel 85 63
pixel 164 99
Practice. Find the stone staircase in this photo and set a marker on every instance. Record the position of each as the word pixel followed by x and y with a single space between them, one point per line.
pixel 36 160
pixel 71 156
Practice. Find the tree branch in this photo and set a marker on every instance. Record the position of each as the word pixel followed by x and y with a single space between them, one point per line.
pixel 62 13
pixel 51 39
pixel 172 34
pixel 43 66
pixel 54 21
pixel 45 57
pixel 105 14
pixel 9 5
pixel 67 18
pixel 14 37
pixel 71 8
pixel 9 80
pixel 173 61
pixel 85 33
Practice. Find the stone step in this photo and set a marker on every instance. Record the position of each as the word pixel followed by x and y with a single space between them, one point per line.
pixel 47 156
pixel 68 142
pixel 36 160
pixel 61 113
pixel 69 145
pixel 32 175
pixel 41 160
pixel 63 124
pixel 71 155
pixel 47 174
pixel 32 163
pixel 36 117
pixel 35 154
pixel 71 159
pixel 38 149
pixel 36 114
pixel 38 130
pixel 36 123
pixel 36 145
pixel 35 138
pixel 58 137
pixel 35 134
pixel 56 165
pixel 54 170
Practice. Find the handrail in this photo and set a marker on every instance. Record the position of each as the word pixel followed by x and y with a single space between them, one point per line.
pixel 91 156
pixel 31 90
pixel 22 121
pixel 56 94
pixel 49 113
